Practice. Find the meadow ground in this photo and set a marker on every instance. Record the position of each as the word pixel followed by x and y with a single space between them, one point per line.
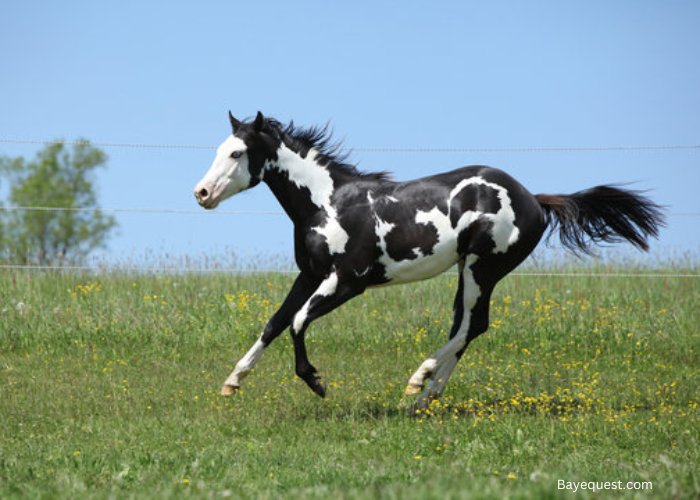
pixel 109 389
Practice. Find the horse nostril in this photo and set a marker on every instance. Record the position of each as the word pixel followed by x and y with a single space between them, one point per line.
pixel 203 194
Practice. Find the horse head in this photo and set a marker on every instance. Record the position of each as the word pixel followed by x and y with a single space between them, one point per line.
pixel 239 162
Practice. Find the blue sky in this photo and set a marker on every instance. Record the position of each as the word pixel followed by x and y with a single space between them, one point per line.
pixel 386 74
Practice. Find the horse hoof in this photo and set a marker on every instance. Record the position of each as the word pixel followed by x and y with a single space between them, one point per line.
pixel 320 389
pixel 412 389
pixel 228 390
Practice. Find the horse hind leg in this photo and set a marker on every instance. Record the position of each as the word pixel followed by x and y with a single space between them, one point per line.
pixel 416 383
pixel 478 324
pixel 470 319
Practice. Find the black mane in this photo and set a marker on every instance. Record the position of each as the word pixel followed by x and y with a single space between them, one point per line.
pixel 331 153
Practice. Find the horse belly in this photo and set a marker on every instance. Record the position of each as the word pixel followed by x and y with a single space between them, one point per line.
pixel 442 257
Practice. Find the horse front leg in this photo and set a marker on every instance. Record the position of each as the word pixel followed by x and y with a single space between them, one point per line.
pixel 329 295
pixel 301 291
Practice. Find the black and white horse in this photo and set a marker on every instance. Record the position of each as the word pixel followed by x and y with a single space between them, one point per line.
pixel 354 231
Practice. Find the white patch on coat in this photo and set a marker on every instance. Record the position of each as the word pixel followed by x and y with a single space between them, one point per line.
pixel 386 197
pixel 307 173
pixel 325 289
pixel 422 266
pixel 360 274
pixel 381 229
pixel 226 176
pixel 445 252
pixel 336 237
pixel 505 232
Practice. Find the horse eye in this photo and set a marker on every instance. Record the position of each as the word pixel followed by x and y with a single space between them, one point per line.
pixel 236 154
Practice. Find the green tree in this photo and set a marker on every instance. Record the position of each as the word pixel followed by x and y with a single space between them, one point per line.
pixel 58 177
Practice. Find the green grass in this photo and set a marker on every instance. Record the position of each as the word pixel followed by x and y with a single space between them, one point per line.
pixel 109 389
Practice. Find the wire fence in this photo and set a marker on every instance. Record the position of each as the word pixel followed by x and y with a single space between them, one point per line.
pixel 380 149
pixel 120 268
pixel 234 271
pixel 14 208
pixel 144 210
pixel 185 269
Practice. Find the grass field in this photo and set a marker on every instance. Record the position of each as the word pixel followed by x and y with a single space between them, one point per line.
pixel 109 389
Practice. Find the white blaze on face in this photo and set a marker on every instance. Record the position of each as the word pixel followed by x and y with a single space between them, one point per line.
pixel 228 174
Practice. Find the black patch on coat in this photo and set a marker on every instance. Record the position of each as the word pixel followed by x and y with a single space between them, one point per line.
pixel 474 198
pixel 477 238
pixel 403 241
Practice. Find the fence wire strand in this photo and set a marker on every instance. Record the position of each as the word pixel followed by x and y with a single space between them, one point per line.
pixel 11 208
pixel 192 147
pixel 380 149
pixel 14 208
pixel 197 270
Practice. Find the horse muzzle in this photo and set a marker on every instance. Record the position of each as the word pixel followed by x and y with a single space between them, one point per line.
pixel 205 197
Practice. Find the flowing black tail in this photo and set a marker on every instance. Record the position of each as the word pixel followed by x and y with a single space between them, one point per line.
pixel 602 214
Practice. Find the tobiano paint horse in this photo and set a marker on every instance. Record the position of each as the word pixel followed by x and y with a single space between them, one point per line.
pixel 355 230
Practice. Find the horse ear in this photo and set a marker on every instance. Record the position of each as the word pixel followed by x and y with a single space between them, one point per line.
pixel 259 121
pixel 234 123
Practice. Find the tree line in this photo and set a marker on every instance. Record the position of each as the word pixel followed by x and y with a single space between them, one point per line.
pixel 59 176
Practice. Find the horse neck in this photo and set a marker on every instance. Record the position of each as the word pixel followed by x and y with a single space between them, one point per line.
pixel 300 183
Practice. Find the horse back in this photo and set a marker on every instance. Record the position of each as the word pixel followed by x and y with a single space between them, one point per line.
pixel 407 231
